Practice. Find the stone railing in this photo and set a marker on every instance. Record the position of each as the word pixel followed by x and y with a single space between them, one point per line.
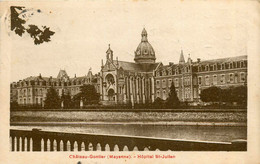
pixel 37 140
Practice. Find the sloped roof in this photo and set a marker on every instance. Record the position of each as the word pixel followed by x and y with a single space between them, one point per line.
pixel 130 66
pixel 224 60
pixel 62 73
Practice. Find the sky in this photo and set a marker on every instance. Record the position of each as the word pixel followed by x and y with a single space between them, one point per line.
pixel 83 30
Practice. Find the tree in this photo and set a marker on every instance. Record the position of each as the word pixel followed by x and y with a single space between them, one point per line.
pixel 236 94
pixel 88 94
pixel 52 99
pixel 66 99
pixel 211 94
pixel 173 100
pixel 158 103
pixel 239 94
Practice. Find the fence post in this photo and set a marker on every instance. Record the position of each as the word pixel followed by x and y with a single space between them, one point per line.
pixel 36 140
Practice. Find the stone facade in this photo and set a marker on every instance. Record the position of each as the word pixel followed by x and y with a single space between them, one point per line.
pixel 191 77
pixel 129 82
pixel 33 90
pixel 141 81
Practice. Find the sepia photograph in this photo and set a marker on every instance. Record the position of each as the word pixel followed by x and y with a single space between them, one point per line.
pixel 129 76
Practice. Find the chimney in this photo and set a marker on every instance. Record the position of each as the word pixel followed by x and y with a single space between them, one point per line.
pixel 75 76
pixel 198 60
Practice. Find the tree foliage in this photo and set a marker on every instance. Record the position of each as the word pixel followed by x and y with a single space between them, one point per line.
pixel 158 103
pixel 52 100
pixel 66 99
pixel 229 95
pixel 173 100
pixel 211 94
pixel 87 94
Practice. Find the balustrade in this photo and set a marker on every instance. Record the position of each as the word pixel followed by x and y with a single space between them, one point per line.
pixel 37 140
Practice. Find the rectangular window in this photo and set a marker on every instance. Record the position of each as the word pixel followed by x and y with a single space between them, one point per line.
pixel 242 64
pixel 176 82
pixel 222 80
pixel 242 77
pixel 207 80
pixel 163 83
pixel 231 66
pixel 215 80
pixel 222 66
pixel 169 83
pixel 231 77
pixel 200 80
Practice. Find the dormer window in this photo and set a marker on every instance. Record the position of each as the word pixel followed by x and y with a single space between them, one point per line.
pixel 222 66
pixel 170 72
pixel 231 65
pixel 207 68
pixel 242 64
pixel 199 68
pixel 215 67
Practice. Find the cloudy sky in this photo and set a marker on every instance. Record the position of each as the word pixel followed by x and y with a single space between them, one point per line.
pixel 203 29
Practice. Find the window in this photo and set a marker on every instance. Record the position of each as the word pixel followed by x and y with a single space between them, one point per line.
pixel 206 68
pixel 215 67
pixel 207 80
pixel 176 71
pixel 163 83
pixel 222 80
pixel 242 77
pixel 242 64
pixel 231 77
pixel 177 92
pixel 157 83
pixel 170 72
pixel 169 83
pixel 199 68
pixel 176 83
pixel 164 95
pixel 231 65
pixel 222 66
pixel 215 80
pixel 158 94
pixel 200 80
pixel 188 93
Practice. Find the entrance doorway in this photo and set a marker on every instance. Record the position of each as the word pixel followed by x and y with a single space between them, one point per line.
pixel 111 95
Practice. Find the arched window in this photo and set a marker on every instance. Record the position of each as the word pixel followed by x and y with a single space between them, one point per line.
pixel 158 94
pixel 164 95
